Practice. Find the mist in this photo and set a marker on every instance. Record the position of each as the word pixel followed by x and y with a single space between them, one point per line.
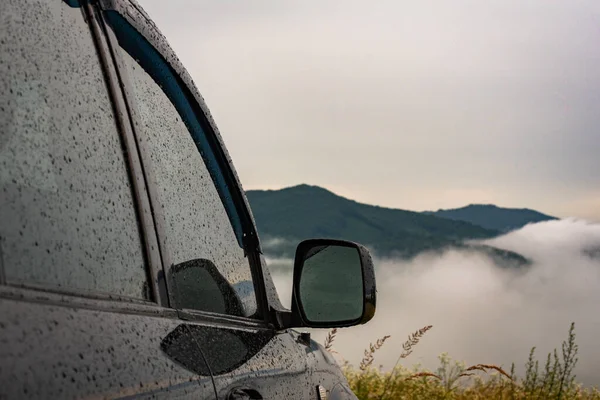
pixel 480 312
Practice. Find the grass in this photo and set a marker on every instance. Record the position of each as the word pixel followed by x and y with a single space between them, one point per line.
pixel 456 380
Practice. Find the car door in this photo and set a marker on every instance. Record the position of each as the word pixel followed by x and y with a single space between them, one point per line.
pixel 81 310
pixel 207 237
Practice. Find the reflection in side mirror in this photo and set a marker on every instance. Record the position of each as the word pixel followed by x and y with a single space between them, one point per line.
pixel 331 287
pixel 334 284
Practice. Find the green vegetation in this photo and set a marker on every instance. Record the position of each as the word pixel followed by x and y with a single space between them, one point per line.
pixel 454 380
pixel 302 212
pixel 492 217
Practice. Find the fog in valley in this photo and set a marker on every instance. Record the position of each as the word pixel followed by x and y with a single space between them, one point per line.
pixel 480 312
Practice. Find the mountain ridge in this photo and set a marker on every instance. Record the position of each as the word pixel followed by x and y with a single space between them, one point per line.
pixel 491 216
pixel 305 211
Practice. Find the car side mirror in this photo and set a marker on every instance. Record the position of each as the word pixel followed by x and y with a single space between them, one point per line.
pixel 334 284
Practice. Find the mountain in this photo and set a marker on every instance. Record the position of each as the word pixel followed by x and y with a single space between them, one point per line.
pixel 492 217
pixel 286 216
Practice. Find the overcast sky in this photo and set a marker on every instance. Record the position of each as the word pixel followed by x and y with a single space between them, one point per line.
pixel 416 105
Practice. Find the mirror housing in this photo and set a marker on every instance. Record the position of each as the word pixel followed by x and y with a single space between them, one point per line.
pixel 334 285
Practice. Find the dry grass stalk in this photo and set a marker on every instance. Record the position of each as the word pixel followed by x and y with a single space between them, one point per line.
pixel 407 349
pixel 423 375
pixel 370 353
pixel 413 339
pixel 329 339
pixel 485 368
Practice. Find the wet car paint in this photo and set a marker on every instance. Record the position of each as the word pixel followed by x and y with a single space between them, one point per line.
pixel 55 347
pixel 66 350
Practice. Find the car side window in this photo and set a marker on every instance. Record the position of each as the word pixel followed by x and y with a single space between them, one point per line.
pixel 66 205
pixel 208 268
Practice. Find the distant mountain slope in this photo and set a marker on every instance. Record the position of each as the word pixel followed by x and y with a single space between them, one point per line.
pixel 305 211
pixel 492 217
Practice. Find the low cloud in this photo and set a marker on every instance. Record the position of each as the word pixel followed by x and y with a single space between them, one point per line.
pixel 273 242
pixel 482 313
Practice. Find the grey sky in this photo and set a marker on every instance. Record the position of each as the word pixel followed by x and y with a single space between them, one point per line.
pixel 416 105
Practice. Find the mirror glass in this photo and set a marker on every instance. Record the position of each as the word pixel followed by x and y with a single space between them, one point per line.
pixel 331 284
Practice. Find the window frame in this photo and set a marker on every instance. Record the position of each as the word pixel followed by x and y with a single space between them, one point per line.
pixel 248 239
